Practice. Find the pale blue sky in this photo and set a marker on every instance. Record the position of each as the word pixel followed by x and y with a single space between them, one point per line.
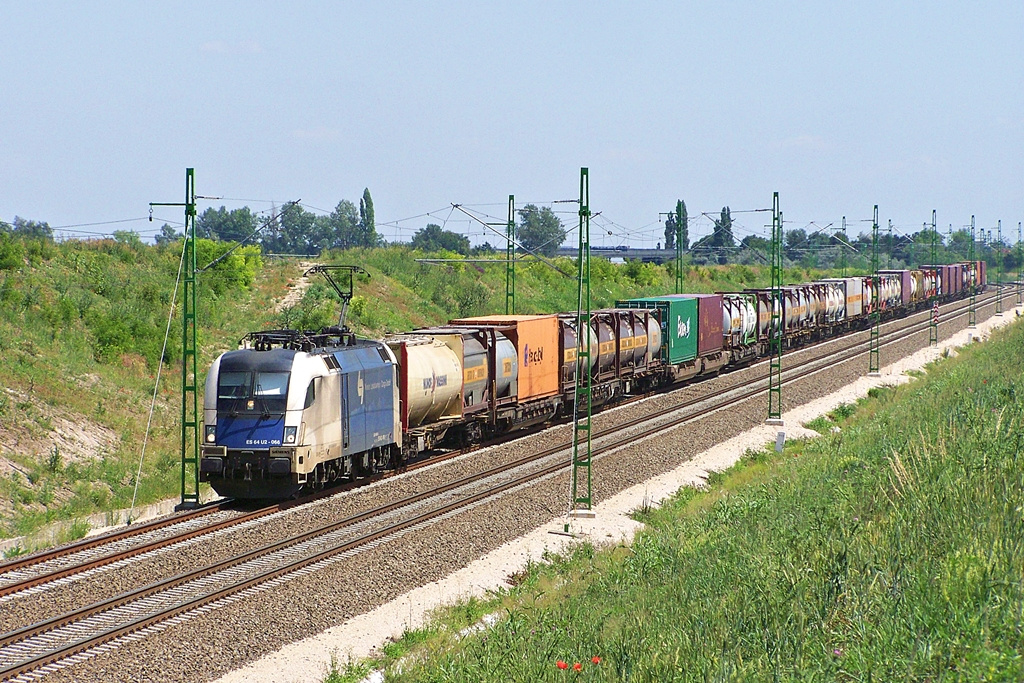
pixel 838 106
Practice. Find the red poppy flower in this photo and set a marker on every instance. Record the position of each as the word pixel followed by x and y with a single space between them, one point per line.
pixel 595 660
pixel 577 667
pixel 561 665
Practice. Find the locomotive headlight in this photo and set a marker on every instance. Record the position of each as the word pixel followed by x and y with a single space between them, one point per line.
pixel 289 434
pixel 211 433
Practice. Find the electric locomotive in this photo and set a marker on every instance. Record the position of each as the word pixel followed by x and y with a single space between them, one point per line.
pixel 294 410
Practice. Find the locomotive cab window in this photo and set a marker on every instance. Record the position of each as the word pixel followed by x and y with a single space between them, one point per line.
pixel 310 394
pixel 271 384
pixel 252 392
pixel 270 391
pixel 234 385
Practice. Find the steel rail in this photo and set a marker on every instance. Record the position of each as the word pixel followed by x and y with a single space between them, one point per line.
pixel 102 539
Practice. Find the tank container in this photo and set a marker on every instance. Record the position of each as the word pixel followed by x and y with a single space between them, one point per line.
pixel 626 341
pixel 569 348
pixel 535 339
pixel 430 377
pixel 739 318
pixel 904 282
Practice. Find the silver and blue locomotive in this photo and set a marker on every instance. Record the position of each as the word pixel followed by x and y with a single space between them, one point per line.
pixel 293 410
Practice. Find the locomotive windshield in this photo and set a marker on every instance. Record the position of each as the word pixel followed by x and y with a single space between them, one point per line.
pixel 234 385
pixel 252 392
pixel 271 384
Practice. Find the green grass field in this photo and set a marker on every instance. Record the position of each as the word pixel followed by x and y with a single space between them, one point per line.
pixel 890 550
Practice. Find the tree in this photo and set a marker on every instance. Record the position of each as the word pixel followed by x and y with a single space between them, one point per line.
pixel 722 236
pixel 678 227
pixel 12 251
pixel 1011 261
pixel 756 243
pixel 167 235
pixel 228 226
pixel 351 228
pixel 26 228
pixel 129 237
pixel 345 225
pixel 368 229
pixel 293 232
pixel 540 230
pixel 238 269
pixel 433 238
pixel 484 248
pixel 298 231
pixel 796 238
pixel 960 243
pixel 795 243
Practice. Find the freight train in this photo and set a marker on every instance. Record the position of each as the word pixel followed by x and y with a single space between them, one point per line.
pixel 295 410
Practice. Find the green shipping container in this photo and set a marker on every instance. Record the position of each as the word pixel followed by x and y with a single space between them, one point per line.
pixel 678 325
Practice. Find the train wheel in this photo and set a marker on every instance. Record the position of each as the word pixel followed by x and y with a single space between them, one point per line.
pixel 472 433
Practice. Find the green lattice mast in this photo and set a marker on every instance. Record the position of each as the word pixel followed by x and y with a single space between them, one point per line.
pixel 1020 266
pixel 582 445
pixel 933 325
pixel 775 329
pixel 842 248
pixel 888 257
pixel 679 246
pixel 972 313
pixel 999 267
pixel 510 258
pixel 189 373
pixel 876 313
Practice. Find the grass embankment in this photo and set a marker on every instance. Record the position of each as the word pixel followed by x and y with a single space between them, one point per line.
pixel 81 330
pixel 402 294
pixel 888 550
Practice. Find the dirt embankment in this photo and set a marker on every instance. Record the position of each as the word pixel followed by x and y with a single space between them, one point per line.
pixel 297 288
pixel 29 427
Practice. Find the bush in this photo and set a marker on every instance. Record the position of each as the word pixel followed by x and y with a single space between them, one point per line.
pixel 12 252
pixel 235 271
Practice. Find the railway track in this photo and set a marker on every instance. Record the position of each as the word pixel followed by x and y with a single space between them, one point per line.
pixel 33 572
pixel 28 573
pixel 39 569
pixel 41 647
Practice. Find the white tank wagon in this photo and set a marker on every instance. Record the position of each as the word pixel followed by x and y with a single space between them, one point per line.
pixel 449 376
pixel 740 325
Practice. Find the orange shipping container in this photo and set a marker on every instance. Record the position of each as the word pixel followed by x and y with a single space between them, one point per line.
pixel 536 340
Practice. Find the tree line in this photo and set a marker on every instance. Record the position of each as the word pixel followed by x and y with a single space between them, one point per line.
pixel 828 248
pixel 295 230
pixel 538 231
pixel 292 230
